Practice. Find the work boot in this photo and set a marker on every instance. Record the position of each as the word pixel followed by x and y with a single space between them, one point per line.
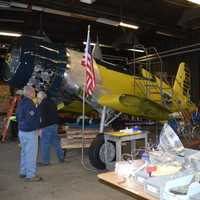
pixel 41 164
pixel 34 179
pixel 22 176
pixel 62 160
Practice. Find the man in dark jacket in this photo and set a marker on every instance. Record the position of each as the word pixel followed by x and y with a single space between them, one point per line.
pixel 196 116
pixel 28 123
pixel 49 128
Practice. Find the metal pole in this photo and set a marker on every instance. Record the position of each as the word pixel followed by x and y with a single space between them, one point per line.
pixel 161 70
pixel 170 53
pixel 111 120
pixel 84 94
pixel 83 117
pixel 103 116
pixel 83 107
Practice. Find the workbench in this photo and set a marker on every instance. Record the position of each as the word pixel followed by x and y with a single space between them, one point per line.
pixel 118 138
pixel 136 190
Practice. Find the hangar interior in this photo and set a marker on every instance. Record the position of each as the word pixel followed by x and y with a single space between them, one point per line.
pixel 69 21
pixel 146 73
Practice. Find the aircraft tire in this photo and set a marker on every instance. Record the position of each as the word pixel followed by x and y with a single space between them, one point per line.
pixel 95 150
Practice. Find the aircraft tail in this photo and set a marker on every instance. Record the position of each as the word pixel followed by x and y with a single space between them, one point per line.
pixel 182 84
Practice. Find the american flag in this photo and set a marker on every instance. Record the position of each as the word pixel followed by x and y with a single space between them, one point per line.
pixel 88 64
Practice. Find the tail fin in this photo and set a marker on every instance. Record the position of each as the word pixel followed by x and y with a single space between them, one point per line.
pixel 182 83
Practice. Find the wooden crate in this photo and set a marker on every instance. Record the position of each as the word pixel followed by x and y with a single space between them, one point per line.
pixel 73 137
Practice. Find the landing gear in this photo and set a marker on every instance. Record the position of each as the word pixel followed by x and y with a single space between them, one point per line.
pixel 97 148
pixel 97 152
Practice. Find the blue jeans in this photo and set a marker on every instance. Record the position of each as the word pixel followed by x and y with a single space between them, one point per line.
pixel 49 137
pixel 29 149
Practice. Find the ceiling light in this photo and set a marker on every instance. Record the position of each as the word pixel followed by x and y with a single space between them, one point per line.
pixel 101 45
pixel 128 25
pixel 107 21
pixel 10 34
pixel 4 4
pixel 195 1
pixel 92 44
pixel 109 46
pixel 115 23
pixel 137 50
pixel 87 1
pixel 165 34
pixel 4 46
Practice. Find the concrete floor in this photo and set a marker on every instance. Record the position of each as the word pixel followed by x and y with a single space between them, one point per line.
pixel 66 181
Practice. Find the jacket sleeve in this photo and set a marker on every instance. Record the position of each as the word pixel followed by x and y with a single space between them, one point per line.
pixel 20 115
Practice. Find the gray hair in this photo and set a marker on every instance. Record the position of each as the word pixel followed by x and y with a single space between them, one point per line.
pixel 41 95
pixel 28 90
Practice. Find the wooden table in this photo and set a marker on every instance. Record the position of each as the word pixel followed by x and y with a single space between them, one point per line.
pixel 136 190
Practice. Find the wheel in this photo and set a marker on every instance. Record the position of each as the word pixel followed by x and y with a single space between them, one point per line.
pixel 96 152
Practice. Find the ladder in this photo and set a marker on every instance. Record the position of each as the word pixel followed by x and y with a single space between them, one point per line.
pixel 10 112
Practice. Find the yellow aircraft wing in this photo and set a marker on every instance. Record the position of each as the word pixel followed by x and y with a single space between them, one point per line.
pixel 140 94
pixel 75 107
pixel 135 105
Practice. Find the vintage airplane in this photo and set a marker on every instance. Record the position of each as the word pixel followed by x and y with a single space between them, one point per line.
pixel 58 71
pixel 143 93
pixel 140 93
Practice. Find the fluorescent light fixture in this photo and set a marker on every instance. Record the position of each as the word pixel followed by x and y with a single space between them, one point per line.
pixel 115 23
pixel 92 44
pixel 137 50
pixel 128 25
pixel 49 49
pixel 107 21
pixel 10 34
pixel 87 1
pixel 195 1
pixel 4 46
pixel 101 45
pixel 165 34
pixel 4 4
pixel 109 46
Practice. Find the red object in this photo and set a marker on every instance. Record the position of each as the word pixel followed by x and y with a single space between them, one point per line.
pixel 151 168
pixel 88 64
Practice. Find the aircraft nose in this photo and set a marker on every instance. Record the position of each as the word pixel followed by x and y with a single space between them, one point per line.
pixel 36 62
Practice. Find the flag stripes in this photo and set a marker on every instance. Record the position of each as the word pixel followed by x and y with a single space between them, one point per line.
pixel 88 64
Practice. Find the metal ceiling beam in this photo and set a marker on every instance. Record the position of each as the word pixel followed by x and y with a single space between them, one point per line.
pixel 104 20
pixel 11 20
pixel 168 53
